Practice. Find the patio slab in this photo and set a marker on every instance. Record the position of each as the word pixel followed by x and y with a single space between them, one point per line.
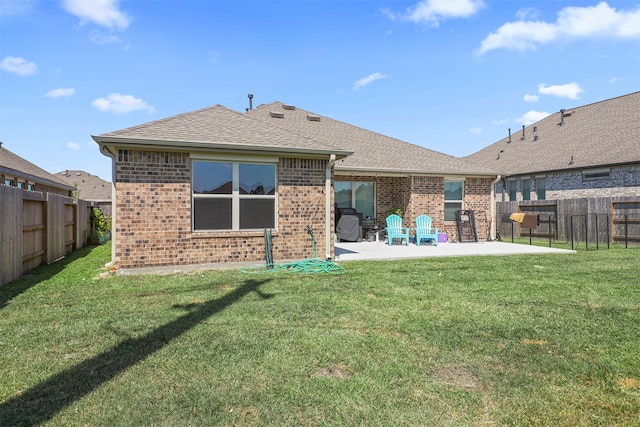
pixel 361 251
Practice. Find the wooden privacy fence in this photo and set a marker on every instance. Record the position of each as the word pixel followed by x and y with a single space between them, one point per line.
pixel 601 220
pixel 38 228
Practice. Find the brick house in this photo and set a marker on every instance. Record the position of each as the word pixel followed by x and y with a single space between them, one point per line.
pixel 201 187
pixel 582 152
pixel 18 172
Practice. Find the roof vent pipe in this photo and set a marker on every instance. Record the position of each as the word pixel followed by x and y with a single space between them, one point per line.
pixel 250 102
pixel 509 135
pixel 562 117
pixel 522 133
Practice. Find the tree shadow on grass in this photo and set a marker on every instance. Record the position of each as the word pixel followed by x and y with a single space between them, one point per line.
pixel 43 401
pixel 36 276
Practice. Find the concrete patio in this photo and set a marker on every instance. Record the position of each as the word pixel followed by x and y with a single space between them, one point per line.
pixel 361 251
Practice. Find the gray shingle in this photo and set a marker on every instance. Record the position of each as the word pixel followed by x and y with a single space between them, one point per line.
pixel 372 152
pixel 219 126
pixel 600 134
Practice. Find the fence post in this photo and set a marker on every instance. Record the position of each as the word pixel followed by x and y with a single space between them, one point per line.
pixel 586 232
pixel 626 231
pixel 597 232
pixel 550 216
pixel 608 232
pixel 571 222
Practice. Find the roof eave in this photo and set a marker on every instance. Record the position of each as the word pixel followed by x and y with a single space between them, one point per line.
pixel 408 172
pixel 207 146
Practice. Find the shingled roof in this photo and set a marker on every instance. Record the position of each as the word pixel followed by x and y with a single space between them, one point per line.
pixel 601 134
pixel 219 128
pixel 372 152
pixel 14 165
pixel 90 187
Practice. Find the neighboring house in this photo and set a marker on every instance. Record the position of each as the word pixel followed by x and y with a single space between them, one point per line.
pixel 201 187
pixel 18 172
pixel 89 187
pixel 581 152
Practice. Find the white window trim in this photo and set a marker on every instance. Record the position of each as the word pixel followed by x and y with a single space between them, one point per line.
pixel 235 195
pixel 463 181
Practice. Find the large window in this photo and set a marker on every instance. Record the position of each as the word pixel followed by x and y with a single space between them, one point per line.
pixel 233 196
pixel 541 188
pixel 513 191
pixel 356 194
pixel 453 197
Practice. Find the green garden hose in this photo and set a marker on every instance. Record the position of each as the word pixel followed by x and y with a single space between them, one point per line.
pixel 307 266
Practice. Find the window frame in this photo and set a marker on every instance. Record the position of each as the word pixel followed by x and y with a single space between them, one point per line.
pixel 459 202
pixel 542 179
pixel 526 188
pixel 354 195
pixel 235 197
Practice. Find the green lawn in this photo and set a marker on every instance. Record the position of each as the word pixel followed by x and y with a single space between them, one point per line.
pixel 518 340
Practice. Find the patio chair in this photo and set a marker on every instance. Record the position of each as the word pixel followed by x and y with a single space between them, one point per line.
pixel 424 230
pixel 395 230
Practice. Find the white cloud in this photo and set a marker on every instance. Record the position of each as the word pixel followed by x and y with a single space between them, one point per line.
pixel 600 21
pixel 531 98
pixel 433 11
pixel 102 39
pixel 100 12
pixel 569 90
pixel 527 13
pixel 60 92
pixel 72 146
pixel 16 7
pixel 121 104
pixel 614 79
pixel 532 117
pixel 501 122
pixel 475 131
pixel 19 66
pixel 368 80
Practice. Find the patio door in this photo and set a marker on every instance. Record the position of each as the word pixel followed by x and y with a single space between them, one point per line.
pixel 356 194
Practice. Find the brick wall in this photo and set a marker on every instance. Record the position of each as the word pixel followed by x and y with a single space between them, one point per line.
pixel 419 195
pixel 622 181
pixel 153 194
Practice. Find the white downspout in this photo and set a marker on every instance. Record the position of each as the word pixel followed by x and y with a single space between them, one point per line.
pixel 114 221
pixel 492 232
pixel 328 208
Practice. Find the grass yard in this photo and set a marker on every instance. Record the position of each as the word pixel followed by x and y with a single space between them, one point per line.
pixel 518 340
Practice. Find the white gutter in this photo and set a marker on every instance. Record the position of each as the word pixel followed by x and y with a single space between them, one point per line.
pixel 328 207
pixel 492 231
pixel 114 215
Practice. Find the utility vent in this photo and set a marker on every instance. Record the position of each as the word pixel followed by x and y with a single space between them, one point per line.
pixel 535 128
pixel 313 118
pixel 535 137
pixel 277 114
pixel 567 114
pixel 288 107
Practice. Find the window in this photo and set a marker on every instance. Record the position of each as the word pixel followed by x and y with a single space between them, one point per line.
pixel 513 191
pixel 8 182
pixel 233 196
pixel 356 194
pixel 541 188
pixel 453 197
pixel 595 174
pixel 526 189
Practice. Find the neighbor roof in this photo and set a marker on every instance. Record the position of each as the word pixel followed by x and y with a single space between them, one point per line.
pixel 601 134
pixel 14 165
pixel 219 128
pixel 89 187
pixel 372 152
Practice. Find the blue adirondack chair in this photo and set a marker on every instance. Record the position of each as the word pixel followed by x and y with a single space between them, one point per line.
pixel 395 230
pixel 424 230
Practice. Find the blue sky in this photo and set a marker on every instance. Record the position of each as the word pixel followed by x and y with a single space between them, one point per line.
pixel 450 75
